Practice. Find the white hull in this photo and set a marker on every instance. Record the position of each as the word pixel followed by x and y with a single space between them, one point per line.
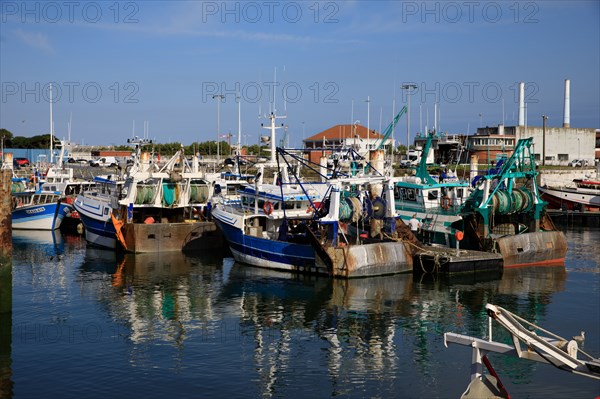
pixel 100 241
pixel 254 261
pixel 574 195
pixel 38 224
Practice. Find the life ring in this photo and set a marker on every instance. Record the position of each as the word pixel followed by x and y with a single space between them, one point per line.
pixel 446 202
pixel 268 208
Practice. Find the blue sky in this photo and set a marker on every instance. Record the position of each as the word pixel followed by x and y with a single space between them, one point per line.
pixel 161 62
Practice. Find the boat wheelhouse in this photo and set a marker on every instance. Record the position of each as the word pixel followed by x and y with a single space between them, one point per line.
pixel 436 203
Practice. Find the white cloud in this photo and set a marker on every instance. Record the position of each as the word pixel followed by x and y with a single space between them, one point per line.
pixel 36 40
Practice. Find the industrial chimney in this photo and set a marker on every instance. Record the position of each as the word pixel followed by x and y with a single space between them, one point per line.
pixel 522 104
pixel 567 111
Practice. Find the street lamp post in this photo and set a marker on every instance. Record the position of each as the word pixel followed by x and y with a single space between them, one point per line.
pixel 368 101
pixel 544 119
pixel 579 150
pixel 408 87
pixel 219 97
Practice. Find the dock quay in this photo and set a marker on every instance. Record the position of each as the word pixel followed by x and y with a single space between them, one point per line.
pixel 448 261
pixel 575 218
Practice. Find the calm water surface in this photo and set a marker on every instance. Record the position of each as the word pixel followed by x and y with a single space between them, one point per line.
pixel 90 323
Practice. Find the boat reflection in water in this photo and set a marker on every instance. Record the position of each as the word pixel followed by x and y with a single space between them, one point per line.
pixel 38 242
pixel 354 336
pixel 157 297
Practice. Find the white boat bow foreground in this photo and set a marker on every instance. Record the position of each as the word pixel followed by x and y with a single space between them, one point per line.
pixel 539 345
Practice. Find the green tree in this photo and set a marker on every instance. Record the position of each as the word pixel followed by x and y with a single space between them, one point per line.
pixel 7 136
pixel 253 149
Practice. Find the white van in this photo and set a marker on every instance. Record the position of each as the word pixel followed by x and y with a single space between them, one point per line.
pixel 104 162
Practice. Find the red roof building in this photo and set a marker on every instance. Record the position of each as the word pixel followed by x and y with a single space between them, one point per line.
pixel 344 136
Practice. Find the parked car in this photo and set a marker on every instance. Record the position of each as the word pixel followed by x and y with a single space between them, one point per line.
pixel 579 163
pixel 407 163
pixel 78 160
pixel 21 161
pixel 104 162
pixel 232 161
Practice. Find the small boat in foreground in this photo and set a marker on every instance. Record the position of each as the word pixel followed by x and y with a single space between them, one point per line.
pixel 539 345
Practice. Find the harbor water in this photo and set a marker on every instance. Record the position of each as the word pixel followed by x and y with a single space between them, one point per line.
pixel 91 323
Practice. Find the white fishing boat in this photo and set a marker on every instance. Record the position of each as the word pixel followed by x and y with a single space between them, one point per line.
pixel 94 208
pixel 34 209
pixel 40 210
pixel 583 195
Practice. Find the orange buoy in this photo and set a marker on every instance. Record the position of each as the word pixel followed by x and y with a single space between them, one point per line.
pixel 459 235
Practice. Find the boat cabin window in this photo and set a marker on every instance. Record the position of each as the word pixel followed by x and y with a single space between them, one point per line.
pixel 245 201
pixel 406 194
pixel 459 193
pixel 231 190
pixel 289 204
pixel 432 194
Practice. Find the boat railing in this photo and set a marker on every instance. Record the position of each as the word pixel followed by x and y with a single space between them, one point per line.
pixel 540 345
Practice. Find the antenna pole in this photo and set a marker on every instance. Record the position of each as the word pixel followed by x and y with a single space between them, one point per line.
pixel 70 122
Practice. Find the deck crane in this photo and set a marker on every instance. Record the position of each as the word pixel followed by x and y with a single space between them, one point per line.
pixel 390 128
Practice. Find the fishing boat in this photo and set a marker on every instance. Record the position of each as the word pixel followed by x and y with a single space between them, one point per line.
pixel 94 208
pixel 436 203
pixel 529 342
pixel 357 237
pixel 39 210
pixel 34 209
pixel 151 209
pixel 256 225
pixel 60 179
pixel 506 214
pixel 584 196
pixel 159 208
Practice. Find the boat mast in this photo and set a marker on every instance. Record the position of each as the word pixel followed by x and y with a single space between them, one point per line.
pixel 239 137
pixel 273 116
pixel 51 128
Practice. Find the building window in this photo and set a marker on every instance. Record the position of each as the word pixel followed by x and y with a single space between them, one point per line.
pixel 563 157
